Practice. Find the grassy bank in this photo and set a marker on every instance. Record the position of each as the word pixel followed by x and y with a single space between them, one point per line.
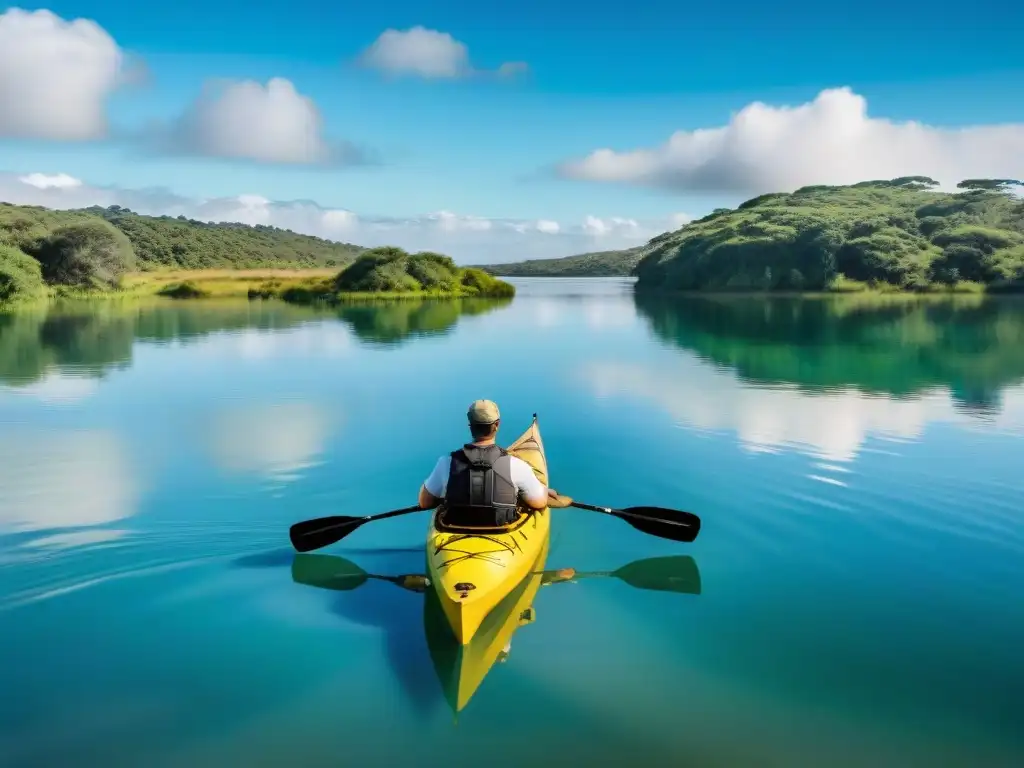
pixel 221 283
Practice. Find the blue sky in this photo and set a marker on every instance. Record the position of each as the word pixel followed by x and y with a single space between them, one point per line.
pixel 623 77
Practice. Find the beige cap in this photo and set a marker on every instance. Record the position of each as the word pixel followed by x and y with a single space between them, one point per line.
pixel 483 412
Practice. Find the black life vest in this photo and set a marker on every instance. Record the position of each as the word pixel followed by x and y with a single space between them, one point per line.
pixel 480 488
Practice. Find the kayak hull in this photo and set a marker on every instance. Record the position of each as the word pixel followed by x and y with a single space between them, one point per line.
pixel 473 569
pixel 461 668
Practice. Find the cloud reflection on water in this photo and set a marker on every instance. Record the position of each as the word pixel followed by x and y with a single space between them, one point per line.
pixel 277 440
pixel 64 479
pixel 833 425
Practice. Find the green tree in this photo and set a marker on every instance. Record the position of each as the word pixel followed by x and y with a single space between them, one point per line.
pixel 997 185
pixel 88 254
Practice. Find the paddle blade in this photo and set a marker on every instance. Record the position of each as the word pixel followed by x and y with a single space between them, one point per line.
pixel 671 524
pixel 327 572
pixel 675 573
pixel 322 532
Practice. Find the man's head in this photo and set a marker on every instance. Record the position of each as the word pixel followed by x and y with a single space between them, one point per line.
pixel 484 419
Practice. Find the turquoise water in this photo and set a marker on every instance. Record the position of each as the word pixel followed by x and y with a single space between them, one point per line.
pixel 857 466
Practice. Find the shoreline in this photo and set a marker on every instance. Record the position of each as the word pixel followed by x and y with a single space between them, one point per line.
pixel 312 286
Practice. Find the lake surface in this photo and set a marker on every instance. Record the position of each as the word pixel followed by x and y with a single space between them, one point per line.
pixel 858 465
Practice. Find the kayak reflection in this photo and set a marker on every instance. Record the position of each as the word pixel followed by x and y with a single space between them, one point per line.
pixel 462 668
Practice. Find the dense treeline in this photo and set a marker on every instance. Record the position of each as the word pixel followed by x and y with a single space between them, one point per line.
pixel 188 244
pixel 94 248
pixel 896 234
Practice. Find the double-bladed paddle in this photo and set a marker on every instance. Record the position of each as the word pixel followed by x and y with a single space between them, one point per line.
pixel 672 524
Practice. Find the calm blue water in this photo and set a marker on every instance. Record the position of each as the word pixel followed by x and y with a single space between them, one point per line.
pixel 857 466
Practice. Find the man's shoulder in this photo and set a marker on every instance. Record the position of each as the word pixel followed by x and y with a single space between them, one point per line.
pixel 522 466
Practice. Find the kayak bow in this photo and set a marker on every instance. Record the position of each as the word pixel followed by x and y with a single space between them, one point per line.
pixel 461 668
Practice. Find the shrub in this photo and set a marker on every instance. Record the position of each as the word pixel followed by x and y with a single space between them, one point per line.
pixel 21 277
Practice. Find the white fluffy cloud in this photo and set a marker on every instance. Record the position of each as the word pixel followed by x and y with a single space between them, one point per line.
pixel 468 239
pixel 427 53
pixel 56 181
pixel 247 120
pixel 55 76
pixel 680 219
pixel 600 227
pixel 830 140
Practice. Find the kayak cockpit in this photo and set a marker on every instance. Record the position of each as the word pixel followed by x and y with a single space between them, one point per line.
pixel 525 516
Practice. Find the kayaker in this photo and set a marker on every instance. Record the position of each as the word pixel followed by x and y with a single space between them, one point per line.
pixel 481 483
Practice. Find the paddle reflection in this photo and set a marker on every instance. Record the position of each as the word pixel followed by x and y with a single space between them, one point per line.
pixel 461 668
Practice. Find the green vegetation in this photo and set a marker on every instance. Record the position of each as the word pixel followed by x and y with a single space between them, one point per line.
pixel 117 252
pixel 21 276
pixel 390 272
pixel 93 338
pixel 597 264
pixel 898 345
pixel 93 249
pixel 85 254
pixel 166 242
pixel 885 235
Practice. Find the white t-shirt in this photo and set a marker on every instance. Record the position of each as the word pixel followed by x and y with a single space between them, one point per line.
pixel 522 476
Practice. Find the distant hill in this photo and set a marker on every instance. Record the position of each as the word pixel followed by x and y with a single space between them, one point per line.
pixel 597 264
pixel 896 234
pixel 180 243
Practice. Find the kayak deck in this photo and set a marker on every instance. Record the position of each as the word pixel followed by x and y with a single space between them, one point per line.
pixel 472 569
pixel 461 668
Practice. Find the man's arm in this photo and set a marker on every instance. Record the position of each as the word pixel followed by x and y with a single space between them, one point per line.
pixel 532 492
pixel 432 490
pixel 427 500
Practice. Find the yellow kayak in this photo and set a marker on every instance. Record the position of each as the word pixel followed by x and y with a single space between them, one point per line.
pixel 473 569
pixel 461 668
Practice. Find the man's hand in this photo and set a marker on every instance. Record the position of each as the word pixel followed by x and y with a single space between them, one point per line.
pixel 556 501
